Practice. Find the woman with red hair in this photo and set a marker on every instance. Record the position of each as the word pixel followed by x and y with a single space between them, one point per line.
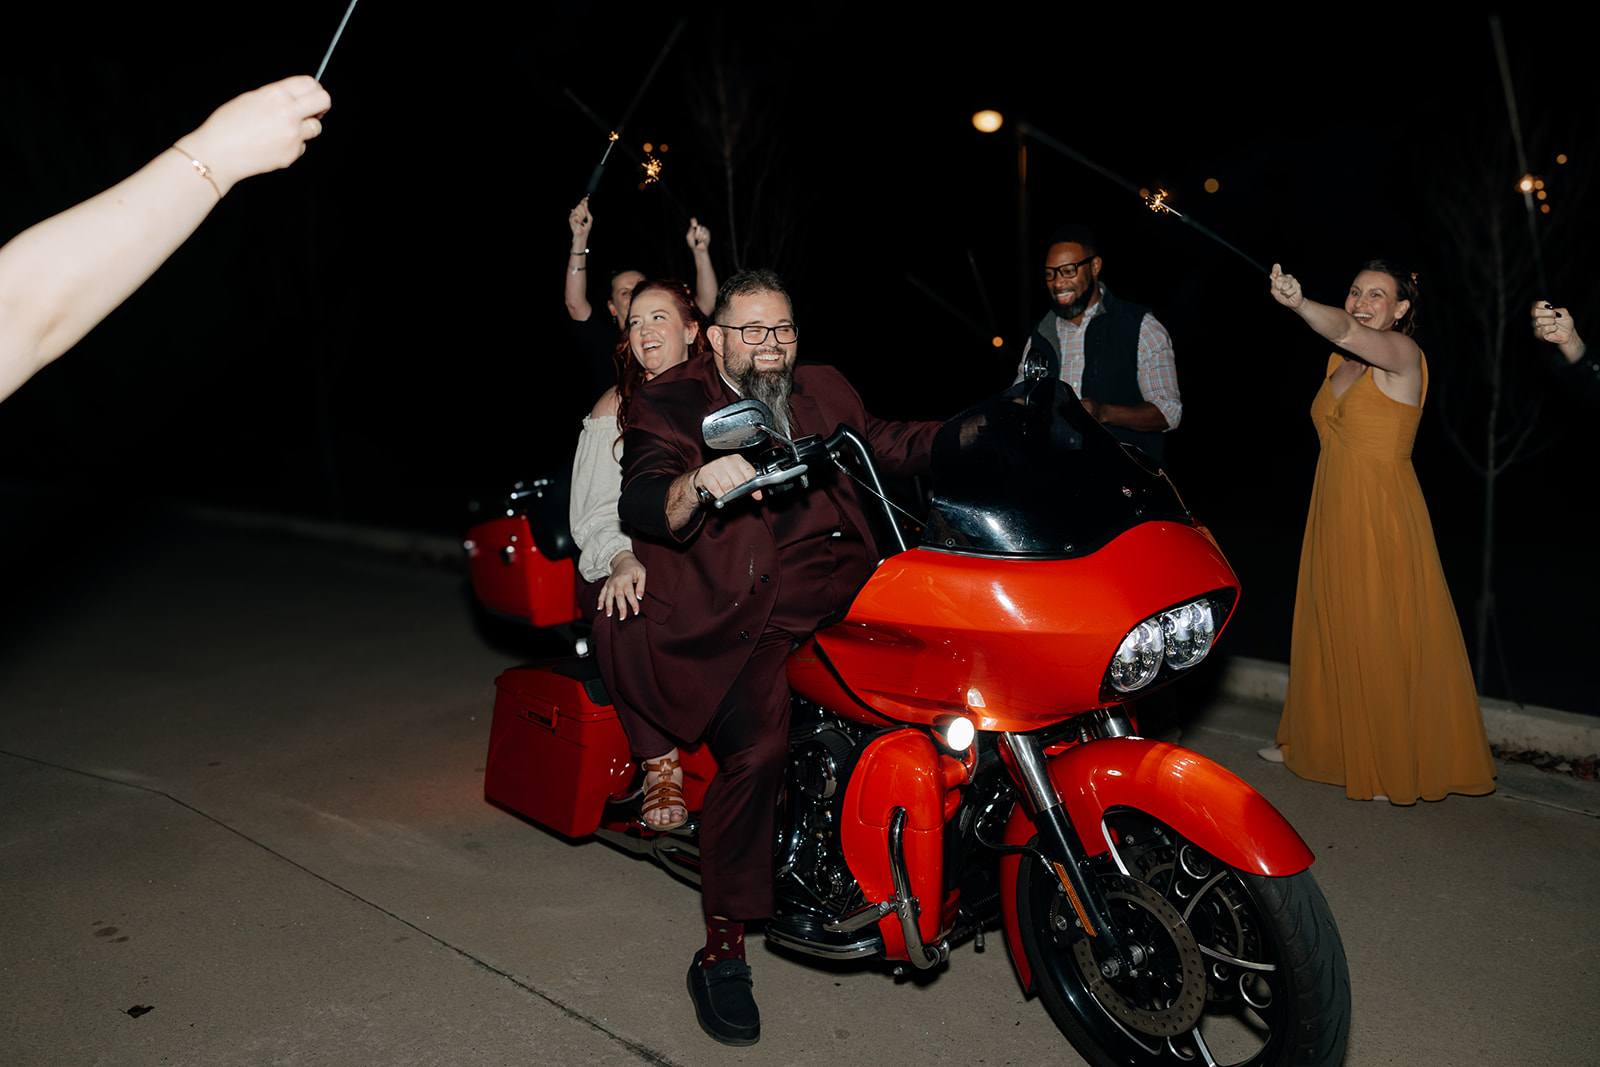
pixel 663 329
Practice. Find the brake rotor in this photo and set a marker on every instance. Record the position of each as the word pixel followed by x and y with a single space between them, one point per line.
pixel 1179 958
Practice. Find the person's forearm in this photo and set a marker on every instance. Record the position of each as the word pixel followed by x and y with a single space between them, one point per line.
pixel 1334 324
pixel 683 501
pixel 1143 416
pixel 577 287
pixel 62 276
pixel 705 281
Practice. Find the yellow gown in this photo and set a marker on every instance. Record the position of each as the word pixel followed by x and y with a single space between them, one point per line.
pixel 1381 697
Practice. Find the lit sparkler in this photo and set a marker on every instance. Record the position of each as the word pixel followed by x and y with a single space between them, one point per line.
pixel 1156 201
pixel 652 169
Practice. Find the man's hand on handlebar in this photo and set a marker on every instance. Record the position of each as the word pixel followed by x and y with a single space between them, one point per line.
pixel 723 475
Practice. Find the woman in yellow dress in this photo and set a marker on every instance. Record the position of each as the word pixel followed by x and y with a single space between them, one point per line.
pixel 1381 698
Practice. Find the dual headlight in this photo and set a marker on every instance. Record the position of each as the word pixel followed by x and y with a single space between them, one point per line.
pixel 1178 638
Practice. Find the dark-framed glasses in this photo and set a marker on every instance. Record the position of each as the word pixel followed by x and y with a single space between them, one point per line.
pixel 1068 271
pixel 757 335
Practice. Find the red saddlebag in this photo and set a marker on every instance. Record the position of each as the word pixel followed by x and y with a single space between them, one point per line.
pixel 556 750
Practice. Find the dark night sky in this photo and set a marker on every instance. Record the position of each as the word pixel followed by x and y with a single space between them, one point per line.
pixel 376 333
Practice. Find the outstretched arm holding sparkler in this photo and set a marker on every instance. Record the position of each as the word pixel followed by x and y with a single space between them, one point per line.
pixel 1369 326
pixel 59 278
pixel 705 275
pixel 581 222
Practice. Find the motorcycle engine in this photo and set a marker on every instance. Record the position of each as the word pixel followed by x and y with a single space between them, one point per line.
pixel 812 873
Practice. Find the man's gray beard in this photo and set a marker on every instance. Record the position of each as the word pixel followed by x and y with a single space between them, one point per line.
pixel 772 388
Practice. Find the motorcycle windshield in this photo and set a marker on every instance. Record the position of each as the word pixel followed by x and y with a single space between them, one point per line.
pixel 1029 473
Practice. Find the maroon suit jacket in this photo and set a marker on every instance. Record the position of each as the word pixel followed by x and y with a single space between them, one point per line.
pixel 710 588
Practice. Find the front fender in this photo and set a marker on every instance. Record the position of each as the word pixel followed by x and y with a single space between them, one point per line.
pixel 1200 800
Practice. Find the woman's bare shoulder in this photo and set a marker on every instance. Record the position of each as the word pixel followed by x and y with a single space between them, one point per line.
pixel 608 404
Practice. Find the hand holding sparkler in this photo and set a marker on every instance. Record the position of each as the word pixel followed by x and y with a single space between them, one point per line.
pixel 581 221
pixel 1555 325
pixel 698 238
pixel 1286 288
pixel 60 277
pixel 263 130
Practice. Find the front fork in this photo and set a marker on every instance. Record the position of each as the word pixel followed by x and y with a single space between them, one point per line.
pixel 1062 850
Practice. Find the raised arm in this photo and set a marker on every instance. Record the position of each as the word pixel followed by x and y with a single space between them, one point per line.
pixel 705 275
pixel 1388 350
pixel 581 222
pixel 59 278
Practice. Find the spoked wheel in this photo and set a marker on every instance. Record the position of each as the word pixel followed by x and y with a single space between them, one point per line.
pixel 1234 968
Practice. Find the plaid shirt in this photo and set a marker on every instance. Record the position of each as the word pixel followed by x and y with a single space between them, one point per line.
pixel 1158 377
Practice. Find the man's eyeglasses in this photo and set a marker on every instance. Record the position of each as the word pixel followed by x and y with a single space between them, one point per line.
pixel 1068 271
pixel 757 335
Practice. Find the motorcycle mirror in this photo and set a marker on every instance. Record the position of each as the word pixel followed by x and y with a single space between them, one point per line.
pixel 742 424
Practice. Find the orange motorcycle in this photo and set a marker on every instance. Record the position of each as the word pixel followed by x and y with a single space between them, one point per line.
pixel 965 753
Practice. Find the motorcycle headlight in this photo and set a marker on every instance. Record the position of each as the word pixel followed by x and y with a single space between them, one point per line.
pixel 1188 632
pixel 1138 658
pixel 1180 637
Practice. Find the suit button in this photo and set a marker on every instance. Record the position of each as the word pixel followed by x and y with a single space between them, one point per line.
pixel 764 578
pixel 745 634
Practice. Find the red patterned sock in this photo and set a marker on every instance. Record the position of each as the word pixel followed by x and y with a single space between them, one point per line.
pixel 724 941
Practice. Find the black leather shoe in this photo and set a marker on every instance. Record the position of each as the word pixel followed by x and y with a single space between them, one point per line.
pixel 722 1002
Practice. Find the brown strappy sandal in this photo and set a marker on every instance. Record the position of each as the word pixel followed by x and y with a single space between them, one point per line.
pixel 664 794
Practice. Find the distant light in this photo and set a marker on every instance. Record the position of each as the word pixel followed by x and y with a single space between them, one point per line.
pixel 1540 194
pixel 1212 185
pixel 1538 183
pixel 1145 193
pixel 663 147
pixel 998 341
pixel 987 121
pixel 1545 208
pixel 1526 184
pixel 648 147
pixel 1562 158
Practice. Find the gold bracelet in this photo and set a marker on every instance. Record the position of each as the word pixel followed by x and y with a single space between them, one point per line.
pixel 205 171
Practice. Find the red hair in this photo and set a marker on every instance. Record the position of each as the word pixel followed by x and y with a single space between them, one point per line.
pixel 630 372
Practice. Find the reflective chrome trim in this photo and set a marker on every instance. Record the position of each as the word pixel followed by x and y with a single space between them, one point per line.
pixel 871 946
pixel 907 905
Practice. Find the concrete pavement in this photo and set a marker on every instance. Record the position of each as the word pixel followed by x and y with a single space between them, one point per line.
pixel 240 787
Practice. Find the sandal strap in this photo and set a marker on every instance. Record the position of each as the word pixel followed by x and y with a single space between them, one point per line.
pixel 664 766
pixel 663 795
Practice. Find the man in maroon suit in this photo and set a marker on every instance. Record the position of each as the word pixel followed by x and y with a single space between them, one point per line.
pixel 729 593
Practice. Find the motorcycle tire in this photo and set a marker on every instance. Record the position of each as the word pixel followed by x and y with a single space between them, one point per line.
pixel 1239 968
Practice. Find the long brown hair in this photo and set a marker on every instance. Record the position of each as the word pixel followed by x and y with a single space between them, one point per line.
pixel 630 372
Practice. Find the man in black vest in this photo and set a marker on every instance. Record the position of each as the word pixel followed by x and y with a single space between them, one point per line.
pixel 1113 353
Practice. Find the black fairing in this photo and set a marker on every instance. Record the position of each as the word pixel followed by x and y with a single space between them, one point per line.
pixel 1029 473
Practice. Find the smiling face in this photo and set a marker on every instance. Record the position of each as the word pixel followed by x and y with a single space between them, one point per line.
pixel 657 332
pixel 1373 301
pixel 1071 297
pixel 734 358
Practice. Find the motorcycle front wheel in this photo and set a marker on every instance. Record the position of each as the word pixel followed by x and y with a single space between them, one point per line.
pixel 1235 968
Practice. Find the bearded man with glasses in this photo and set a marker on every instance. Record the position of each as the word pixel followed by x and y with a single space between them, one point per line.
pixel 732 591
pixel 1113 353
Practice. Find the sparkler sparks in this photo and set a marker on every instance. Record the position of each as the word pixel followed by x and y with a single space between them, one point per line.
pixel 652 169
pixel 1157 202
